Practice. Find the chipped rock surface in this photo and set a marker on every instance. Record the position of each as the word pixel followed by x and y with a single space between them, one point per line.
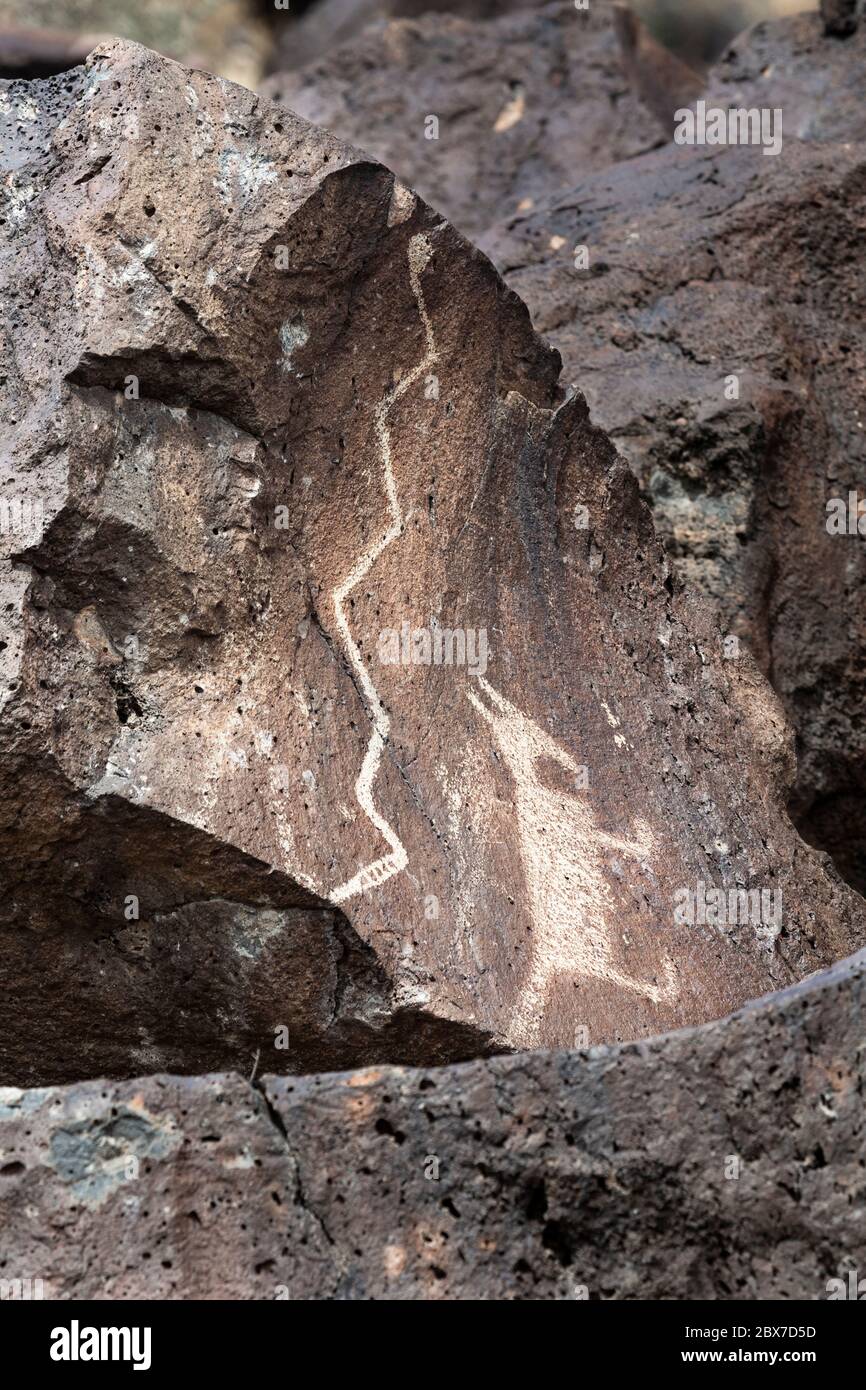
pixel 720 1163
pixel 523 104
pixel 702 264
pixel 348 697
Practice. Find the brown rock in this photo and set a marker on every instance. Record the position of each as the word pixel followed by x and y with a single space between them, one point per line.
pixel 278 430
pixel 705 263
pixel 522 103
pixel 720 1163
pixel 663 81
pixel 798 65
pixel 328 24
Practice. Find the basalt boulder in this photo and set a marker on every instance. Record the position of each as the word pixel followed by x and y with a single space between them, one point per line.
pixel 351 707
pixel 482 116
pixel 714 317
pixel 722 1163
pixel 810 66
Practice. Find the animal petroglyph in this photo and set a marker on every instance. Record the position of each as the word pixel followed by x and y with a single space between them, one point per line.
pixel 562 850
pixel 380 870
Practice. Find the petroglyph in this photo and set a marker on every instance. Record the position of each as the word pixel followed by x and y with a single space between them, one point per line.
pixel 184 757
pixel 562 851
pixel 373 875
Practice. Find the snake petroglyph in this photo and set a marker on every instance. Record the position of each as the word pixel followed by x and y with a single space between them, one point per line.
pixel 374 874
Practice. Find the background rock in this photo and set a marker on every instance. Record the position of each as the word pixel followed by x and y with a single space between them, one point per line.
pixel 29 53
pixel 524 103
pixel 723 1163
pixel 662 81
pixel 705 263
pixel 815 77
pixel 840 17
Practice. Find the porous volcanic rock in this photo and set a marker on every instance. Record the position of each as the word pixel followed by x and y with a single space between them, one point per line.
pixel 814 71
pixel 229 37
pixel 330 23
pixel 706 263
pixel 663 81
pixel 524 103
pixel 350 705
pixel 720 1163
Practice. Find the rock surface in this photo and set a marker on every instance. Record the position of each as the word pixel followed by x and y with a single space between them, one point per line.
pixel 705 263
pixel 328 24
pixel 816 77
pixel 722 1163
pixel 278 430
pixel 840 17
pixel 28 53
pixel 663 81
pixel 524 103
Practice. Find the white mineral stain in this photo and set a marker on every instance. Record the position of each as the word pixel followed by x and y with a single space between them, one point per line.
pixel 242 174
pixel 204 140
pixel 242 1160
pixel 252 930
pixel 293 335
pixel 18 192
pixel 611 717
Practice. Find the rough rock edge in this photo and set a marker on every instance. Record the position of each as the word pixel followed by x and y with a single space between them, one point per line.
pixel 632 1202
